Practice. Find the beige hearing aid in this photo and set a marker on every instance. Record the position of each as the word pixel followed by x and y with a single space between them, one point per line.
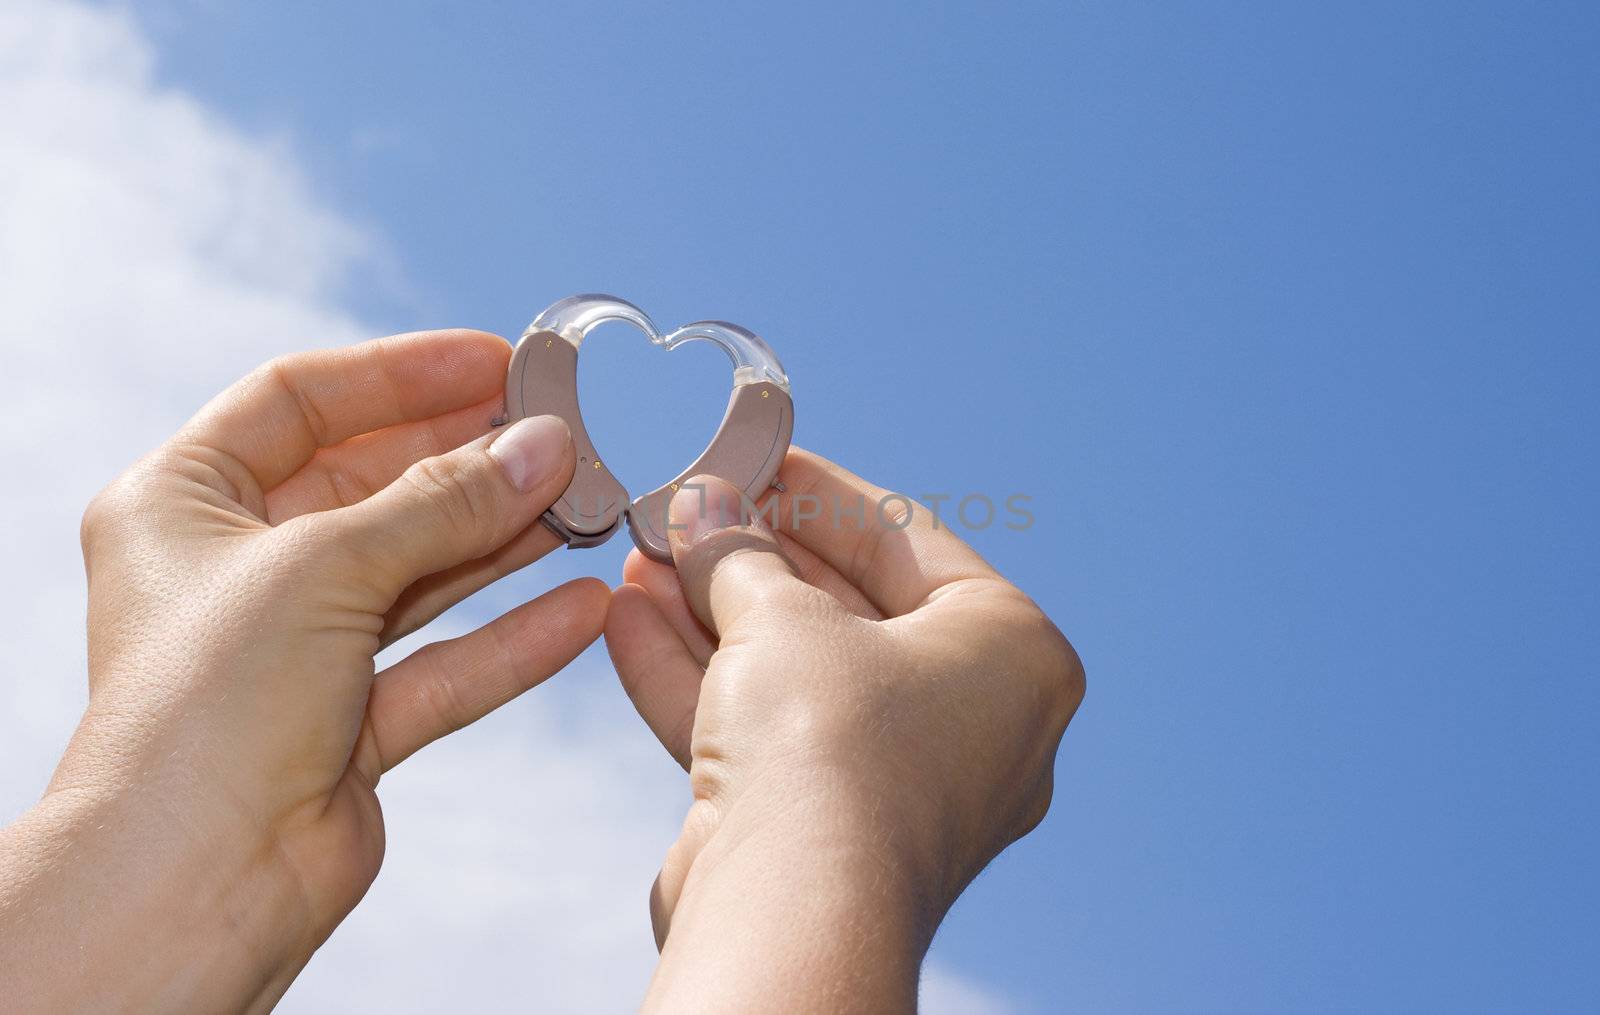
pixel 747 450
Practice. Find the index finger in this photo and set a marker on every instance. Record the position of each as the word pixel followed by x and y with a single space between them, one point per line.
pixel 276 418
pixel 883 543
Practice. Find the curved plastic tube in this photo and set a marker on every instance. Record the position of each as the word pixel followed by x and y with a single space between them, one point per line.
pixel 747 449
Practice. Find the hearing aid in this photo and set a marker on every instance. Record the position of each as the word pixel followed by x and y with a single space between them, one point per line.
pixel 746 451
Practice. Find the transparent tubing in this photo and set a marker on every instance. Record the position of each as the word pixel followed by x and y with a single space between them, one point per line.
pixel 574 317
pixel 753 359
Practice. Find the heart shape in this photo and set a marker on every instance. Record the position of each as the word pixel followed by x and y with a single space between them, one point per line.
pixel 747 449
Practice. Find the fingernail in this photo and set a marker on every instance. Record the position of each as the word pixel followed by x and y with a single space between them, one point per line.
pixel 530 450
pixel 703 505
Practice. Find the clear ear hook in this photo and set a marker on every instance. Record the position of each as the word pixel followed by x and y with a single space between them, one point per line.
pixel 747 449
pixel 753 359
pixel 574 317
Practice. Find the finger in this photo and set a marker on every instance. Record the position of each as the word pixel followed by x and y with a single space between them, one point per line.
pixel 882 543
pixel 661 582
pixel 355 469
pixel 449 684
pixel 426 598
pixel 456 507
pixel 727 559
pixel 660 674
pixel 275 419
pixel 815 571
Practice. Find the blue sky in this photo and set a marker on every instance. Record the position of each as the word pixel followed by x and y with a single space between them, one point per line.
pixel 1286 319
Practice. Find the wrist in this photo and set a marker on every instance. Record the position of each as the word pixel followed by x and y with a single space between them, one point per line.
pixel 873 809
pixel 829 825
pixel 114 900
pixel 821 894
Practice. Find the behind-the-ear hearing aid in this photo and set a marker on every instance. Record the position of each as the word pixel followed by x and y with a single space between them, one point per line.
pixel 747 450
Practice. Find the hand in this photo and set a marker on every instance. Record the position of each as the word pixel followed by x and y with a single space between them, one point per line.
pixel 869 714
pixel 221 784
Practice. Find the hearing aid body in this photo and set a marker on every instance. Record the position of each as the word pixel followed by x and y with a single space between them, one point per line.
pixel 747 450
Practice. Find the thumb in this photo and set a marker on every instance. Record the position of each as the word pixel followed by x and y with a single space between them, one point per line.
pixel 728 560
pixel 463 504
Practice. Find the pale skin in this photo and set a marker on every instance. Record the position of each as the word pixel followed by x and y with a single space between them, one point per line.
pixel 868 714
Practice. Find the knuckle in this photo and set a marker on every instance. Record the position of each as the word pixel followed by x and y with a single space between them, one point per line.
pixel 276 369
pixel 266 372
pixel 1037 807
pixel 95 518
pixel 1061 671
pixel 441 700
pixel 895 511
pixel 446 484
pixel 281 372
pixel 1051 664
pixel 892 516
pixel 106 508
pixel 1065 667
pixel 712 775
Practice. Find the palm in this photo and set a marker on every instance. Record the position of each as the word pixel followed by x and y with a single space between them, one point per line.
pixel 339 427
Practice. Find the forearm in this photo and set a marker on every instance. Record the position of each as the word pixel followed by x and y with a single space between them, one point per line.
pixel 797 906
pixel 102 908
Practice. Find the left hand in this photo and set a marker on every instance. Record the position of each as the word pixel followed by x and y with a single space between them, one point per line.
pixel 221 786
pixel 869 714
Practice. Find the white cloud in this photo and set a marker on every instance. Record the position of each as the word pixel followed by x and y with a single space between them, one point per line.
pixel 519 863
pixel 150 252
pixel 947 993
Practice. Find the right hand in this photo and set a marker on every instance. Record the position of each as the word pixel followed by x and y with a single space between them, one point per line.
pixel 216 813
pixel 878 694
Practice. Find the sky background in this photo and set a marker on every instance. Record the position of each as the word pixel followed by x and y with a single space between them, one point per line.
pixel 1286 319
